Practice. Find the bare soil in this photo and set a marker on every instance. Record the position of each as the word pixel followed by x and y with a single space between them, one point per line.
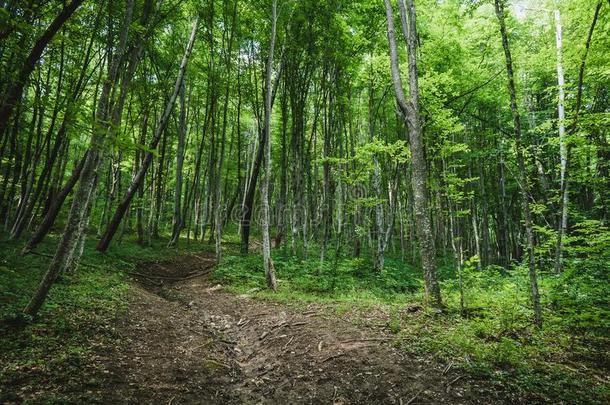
pixel 190 341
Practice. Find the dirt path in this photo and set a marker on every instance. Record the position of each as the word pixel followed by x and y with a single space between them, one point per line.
pixel 191 342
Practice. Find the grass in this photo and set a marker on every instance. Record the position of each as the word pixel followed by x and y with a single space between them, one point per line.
pixel 308 280
pixel 563 362
pixel 49 360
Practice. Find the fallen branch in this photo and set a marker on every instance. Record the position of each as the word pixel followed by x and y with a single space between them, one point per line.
pixel 384 339
pixel 453 381
pixel 334 356
pixel 205 259
pixel 279 325
pixel 287 343
pixel 201 273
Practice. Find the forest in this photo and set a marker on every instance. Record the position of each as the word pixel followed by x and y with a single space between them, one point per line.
pixel 314 201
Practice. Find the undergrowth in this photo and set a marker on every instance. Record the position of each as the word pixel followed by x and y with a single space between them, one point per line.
pixel 50 359
pixel 566 361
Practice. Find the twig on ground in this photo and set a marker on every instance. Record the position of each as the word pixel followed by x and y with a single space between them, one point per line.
pixel 212 289
pixel 383 339
pixel 279 325
pixel 261 314
pixel 414 397
pixel 205 259
pixel 201 273
pixel 219 363
pixel 334 356
pixel 278 337
pixel 289 341
pixel 456 379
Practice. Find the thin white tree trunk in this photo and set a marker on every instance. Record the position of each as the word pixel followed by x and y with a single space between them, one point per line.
pixel 563 149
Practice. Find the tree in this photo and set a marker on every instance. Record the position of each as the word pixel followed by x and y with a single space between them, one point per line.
pixel 267 261
pixel 177 220
pixel 522 178
pixel 410 110
pixel 564 195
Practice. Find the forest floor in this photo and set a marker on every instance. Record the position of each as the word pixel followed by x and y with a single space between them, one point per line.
pixel 185 339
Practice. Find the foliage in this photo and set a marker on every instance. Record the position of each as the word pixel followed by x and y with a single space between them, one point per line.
pixel 344 278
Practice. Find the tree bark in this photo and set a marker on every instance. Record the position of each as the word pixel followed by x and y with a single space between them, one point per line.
pixel 522 178
pixel 56 204
pixel 177 220
pixel 410 110
pixel 564 152
pixel 267 261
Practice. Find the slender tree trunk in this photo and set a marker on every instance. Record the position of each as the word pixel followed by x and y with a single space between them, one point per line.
pixel 56 204
pixel 564 196
pixel 522 178
pixel 419 175
pixel 177 220
pixel 267 261
pixel 456 246
pixel 218 219
pixel 563 149
pixel 379 220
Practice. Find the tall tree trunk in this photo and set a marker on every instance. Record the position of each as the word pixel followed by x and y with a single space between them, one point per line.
pixel 410 110
pixel 250 193
pixel 177 220
pixel 218 219
pixel 564 196
pixel 267 261
pixel 563 149
pixel 53 210
pixel 522 178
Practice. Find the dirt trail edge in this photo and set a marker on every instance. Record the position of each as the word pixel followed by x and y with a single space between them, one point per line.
pixel 186 340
